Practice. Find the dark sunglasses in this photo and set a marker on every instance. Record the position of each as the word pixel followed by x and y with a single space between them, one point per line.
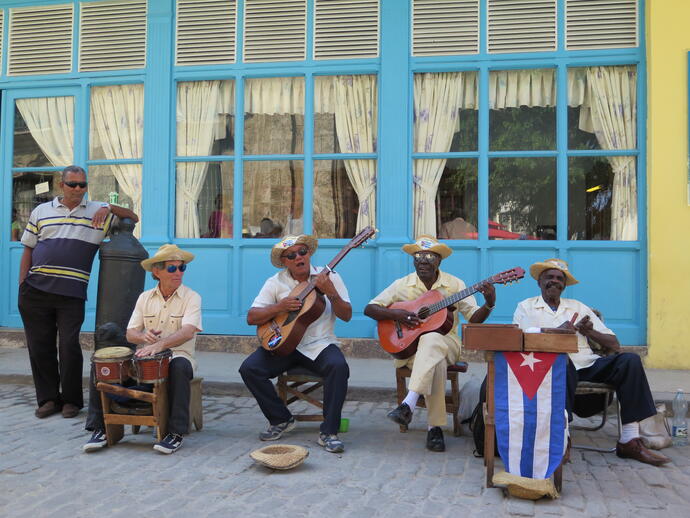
pixel 76 184
pixel 293 255
pixel 173 268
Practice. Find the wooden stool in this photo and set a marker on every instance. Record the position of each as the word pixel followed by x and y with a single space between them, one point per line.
pixel 300 382
pixel 452 399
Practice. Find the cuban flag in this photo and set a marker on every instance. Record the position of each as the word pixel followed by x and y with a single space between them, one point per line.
pixel 530 416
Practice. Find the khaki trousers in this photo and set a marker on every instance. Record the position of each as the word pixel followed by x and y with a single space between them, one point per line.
pixel 434 353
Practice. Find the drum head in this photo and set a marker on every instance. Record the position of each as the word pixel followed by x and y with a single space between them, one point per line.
pixel 109 353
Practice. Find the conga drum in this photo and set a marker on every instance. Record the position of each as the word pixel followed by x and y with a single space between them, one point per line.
pixel 152 369
pixel 112 364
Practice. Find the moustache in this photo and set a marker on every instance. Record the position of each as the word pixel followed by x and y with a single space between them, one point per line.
pixel 553 285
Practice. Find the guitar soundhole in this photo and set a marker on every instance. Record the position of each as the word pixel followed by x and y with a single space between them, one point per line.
pixel 423 313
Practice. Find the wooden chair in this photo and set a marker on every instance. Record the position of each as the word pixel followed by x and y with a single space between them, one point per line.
pixel 114 422
pixel 299 383
pixel 607 393
pixel 452 399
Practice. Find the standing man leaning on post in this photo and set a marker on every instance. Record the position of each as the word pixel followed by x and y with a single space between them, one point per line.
pixel 60 242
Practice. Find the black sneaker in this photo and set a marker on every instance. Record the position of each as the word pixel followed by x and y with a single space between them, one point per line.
pixel 98 440
pixel 276 431
pixel 434 439
pixel 170 444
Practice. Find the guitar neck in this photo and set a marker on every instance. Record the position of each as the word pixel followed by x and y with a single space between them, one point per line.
pixel 329 267
pixel 456 297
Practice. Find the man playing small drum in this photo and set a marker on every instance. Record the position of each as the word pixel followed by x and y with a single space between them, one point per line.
pixel 165 317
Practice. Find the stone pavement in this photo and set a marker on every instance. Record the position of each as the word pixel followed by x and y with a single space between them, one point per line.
pixel 382 473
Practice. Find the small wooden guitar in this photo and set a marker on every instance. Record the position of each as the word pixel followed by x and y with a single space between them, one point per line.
pixel 431 308
pixel 283 333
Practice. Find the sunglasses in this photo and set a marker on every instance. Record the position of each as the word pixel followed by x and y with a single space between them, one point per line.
pixel 428 257
pixel 293 255
pixel 76 184
pixel 173 268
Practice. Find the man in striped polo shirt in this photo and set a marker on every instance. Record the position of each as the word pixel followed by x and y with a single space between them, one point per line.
pixel 60 242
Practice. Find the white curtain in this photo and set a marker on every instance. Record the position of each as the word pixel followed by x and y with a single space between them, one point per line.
pixel 117 113
pixel 197 110
pixel 355 122
pixel 51 123
pixel 614 115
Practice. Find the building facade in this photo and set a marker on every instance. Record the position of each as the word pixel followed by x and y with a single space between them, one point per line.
pixel 515 130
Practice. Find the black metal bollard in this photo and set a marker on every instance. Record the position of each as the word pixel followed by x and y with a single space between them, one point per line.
pixel 120 282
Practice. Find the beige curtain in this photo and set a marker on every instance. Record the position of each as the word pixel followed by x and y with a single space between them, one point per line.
pixel 355 122
pixel 197 110
pixel 51 123
pixel 117 117
pixel 614 118
pixel 515 88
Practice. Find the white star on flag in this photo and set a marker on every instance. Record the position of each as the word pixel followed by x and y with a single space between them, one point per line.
pixel 529 360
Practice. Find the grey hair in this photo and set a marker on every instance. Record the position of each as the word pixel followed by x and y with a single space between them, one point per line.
pixel 72 169
pixel 157 266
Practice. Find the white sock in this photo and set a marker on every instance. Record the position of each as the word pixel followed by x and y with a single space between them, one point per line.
pixel 629 432
pixel 411 399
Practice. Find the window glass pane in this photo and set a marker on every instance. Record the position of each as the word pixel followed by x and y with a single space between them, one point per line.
pixel 445 112
pixel 44 132
pixel 336 204
pixel 591 185
pixel 205 118
pixel 274 116
pixel 523 112
pixel 522 198
pixel 106 184
pixel 456 200
pixel 29 190
pixel 345 114
pixel 210 214
pixel 117 122
pixel 602 111
pixel 272 198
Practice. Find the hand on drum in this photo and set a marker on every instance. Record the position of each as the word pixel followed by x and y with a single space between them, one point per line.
pixel 149 350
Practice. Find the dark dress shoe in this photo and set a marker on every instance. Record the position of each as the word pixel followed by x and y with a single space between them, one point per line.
pixel 434 439
pixel 46 409
pixel 401 415
pixel 69 410
pixel 634 449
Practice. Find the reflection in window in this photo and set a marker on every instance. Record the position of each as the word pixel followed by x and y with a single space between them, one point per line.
pixel 212 214
pixel 273 198
pixel 44 132
pixel 523 113
pixel 336 203
pixel 522 198
pixel 456 200
pixel 29 190
pixel 590 189
pixel 274 116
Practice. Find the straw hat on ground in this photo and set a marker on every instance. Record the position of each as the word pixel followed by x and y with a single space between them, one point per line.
pixel 553 264
pixel 427 244
pixel 280 456
pixel 527 488
pixel 167 253
pixel 303 239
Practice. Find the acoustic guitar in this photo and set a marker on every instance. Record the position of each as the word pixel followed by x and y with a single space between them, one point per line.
pixel 283 333
pixel 432 309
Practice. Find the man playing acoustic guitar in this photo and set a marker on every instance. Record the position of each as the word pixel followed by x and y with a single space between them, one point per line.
pixel 435 351
pixel 318 351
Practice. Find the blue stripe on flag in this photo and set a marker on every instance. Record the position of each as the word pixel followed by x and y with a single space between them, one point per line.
pixel 529 432
pixel 557 439
pixel 501 417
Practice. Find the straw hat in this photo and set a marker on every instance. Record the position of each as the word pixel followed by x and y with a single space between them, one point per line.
pixel 167 253
pixel 427 244
pixel 553 264
pixel 309 241
pixel 280 456
pixel 527 488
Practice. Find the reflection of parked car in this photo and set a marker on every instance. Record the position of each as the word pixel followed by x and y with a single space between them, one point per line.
pixel 497 231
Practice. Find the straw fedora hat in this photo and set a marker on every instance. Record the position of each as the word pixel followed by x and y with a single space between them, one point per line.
pixel 280 456
pixel 303 239
pixel 167 253
pixel 427 244
pixel 552 264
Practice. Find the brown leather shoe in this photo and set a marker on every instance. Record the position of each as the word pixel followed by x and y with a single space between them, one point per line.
pixel 634 449
pixel 69 410
pixel 46 409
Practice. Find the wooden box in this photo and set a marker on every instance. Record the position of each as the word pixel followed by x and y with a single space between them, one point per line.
pixel 550 342
pixel 492 337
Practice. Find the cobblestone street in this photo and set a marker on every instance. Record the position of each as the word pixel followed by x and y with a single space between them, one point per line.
pixel 382 473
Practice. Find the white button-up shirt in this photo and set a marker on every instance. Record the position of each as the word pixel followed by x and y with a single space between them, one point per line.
pixel 535 312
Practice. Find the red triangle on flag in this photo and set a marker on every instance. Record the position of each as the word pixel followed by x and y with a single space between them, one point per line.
pixel 530 369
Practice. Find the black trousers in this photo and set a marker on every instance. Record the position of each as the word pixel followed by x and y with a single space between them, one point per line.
pixel 180 373
pixel 623 371
pixel 56 366
pixel 261 366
